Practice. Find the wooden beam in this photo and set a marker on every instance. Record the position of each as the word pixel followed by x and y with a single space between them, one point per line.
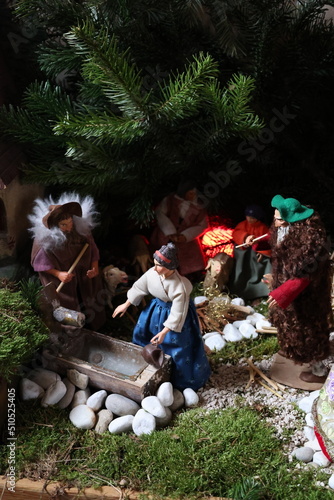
pixel 42 490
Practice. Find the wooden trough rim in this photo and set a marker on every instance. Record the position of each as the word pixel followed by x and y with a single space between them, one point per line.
pixel 41 490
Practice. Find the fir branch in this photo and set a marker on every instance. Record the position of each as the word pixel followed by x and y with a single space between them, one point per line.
pixel 70 175
pixel 55 60
pixel 107 66
pixel 181 97
pixel 23 126
pixel 55 13
pixel 47 101
pixel 102 127
pixel 194 12
pixel 101 157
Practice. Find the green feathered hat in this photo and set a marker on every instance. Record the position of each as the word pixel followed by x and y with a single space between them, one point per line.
pixel 291 210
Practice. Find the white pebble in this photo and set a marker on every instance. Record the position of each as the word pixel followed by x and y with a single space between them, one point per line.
pixel 304 454
pixel 143 423
pixel 43 377
pixel 248 331
pixel 309 419
pixel 331 482
pixel 83 417
pixel 68 398
pixel 239 322
pixel 30 390
pixel 253 318
pixel 238 301
pixel 262 323
pixel 80 397
pixel 121 424
pixel 320 459
pixel 215 342
pixel 209 334
pixel 231 333
pixel 165 394
pixel 121 405
pixel 54 393
pixel 190 397
pixel 309 433
pixel 152 405
pixel 96 400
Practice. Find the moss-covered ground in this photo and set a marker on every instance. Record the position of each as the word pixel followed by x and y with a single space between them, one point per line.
pixel 223 453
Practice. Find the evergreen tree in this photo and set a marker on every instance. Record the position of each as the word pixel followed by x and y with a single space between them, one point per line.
pixel 153 91
pixel 114 132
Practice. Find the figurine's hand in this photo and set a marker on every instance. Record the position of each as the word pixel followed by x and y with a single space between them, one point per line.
pixel 120 310
pixel 249 239
pixel 158 338
pixel 268 280
pixel 65 277
pixel 259 257
pixel 271 302
pixel 91 273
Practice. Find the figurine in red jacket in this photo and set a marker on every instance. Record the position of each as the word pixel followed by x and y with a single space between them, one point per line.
pixel 300 300
pixel 251 257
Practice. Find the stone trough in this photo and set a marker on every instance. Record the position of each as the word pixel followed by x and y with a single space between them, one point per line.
pixel 111 364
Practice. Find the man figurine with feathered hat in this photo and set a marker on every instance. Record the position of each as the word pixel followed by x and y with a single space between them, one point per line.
pixel 300 296
pixel 61 230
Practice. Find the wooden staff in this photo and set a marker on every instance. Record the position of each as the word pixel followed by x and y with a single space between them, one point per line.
pixel 256 239
pixel 73 266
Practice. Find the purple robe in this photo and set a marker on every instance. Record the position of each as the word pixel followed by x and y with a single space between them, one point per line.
pixel 81 293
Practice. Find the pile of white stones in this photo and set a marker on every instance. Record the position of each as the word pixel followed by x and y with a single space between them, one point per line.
pixel 236 331
pixel 102 411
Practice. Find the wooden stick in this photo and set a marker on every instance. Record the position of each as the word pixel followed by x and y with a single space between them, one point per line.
pixel 269 388
pixel 208 321
pixel 73 266
pixel 251 377
pixel 267 331
pixel 255 239
pixel 258 371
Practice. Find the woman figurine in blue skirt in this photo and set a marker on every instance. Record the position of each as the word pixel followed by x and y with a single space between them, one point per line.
pixel 170 319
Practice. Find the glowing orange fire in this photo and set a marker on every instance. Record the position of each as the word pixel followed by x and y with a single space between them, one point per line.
pixel 216 240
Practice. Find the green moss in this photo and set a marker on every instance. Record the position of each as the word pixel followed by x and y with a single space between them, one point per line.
pixel 262 346
pixel 21 331
pixel 204 453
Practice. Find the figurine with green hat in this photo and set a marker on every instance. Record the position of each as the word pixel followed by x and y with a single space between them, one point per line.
pixel 300 296
pixel 290 209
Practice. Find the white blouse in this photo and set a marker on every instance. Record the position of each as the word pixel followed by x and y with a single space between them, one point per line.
pixel 175 289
